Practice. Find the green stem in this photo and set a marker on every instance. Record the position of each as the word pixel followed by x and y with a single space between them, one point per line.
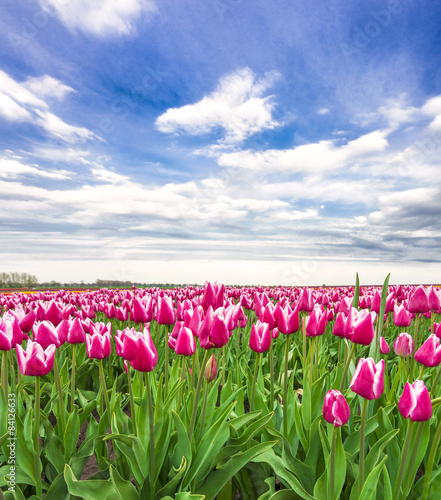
pixel 271 376
pixel 362 435
pixel 5 374
pixel 104 386
pixel 332 468
pixel 408 474
pixel 311 359
pixel 415 343
pixel 346 369
pixel 62 408
pixel 196 397
pixel 223 366
pixel 304 347
pixel 404 453
pixel 204 408
pixel 238 378
pixel 12 368
pixel 72 382
pixel 132 399
pixel 37 438
pixel 178 407
pixel 285 389
pixel 430 460
pixel 253 387
pixel 151 424
pixel 167 358
pixel 435 382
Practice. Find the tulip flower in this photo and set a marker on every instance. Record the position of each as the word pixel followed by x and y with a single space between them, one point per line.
pixel 98 346
pixel 363 328
pixel 138 314
pixel 10 332
pixel 146 356
pixel 429 354
pixel 316 322
pixel 35 361
pixel 213 331
pixel 260 338
pixel 185 344
pixel 76 333
pixel 402 316
pixel 25 321
pixel 418 301
pixel 336 409
pixel 415 402
pixel 339 325
pixel 165 313
pixel 368 378
pixel 384 346
pixel 434 300
pixel 306 303
pixel 403 345
pixel 46 334
pixel 54 313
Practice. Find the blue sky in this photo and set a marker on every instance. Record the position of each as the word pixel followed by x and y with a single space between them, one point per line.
pixel 249 142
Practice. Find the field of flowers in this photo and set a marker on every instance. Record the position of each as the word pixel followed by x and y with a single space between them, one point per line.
pixel 221 392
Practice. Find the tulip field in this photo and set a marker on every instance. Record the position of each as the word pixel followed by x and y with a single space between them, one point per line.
pixel 266 393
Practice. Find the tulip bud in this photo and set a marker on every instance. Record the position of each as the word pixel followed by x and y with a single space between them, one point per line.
pixel 368 379
pixel 336 409
pixel 210 369
pixel 418 301
pixel 384 346
pixel 415 402
pixel 260 337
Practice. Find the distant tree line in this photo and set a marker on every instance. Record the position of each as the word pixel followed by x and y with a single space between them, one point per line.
pixel 17 280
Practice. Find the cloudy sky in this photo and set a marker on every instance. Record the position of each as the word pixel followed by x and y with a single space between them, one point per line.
pixel 245 141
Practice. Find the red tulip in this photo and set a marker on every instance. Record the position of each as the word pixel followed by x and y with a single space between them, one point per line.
pixel 415 402
pixel 336 409
pixel 368 378
pixel 35 361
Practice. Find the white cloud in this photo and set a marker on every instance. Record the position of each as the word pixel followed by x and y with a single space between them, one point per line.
pixel 238 106
pixel 23 102
pixel 12 169
pixel 100 18
pixel 315 157
pixel 47 86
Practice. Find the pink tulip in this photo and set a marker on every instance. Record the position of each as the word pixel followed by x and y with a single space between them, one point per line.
pixel 336 409
pixel 403 345
pixel 46 334
pixel 368 378
pixel 213 331
pixel 53 313
pixel 138 348
pixel 402 316
pixel 138 314
pixel 98 346
pixel 359 327
pixel 35 361
pixel 418 301
pixel 10 332
pixel 429 354
pixel 415 402
pixel 306 302
pixel 434 300
pixel 437 329
pixel 76 333
pixel 260 338
pixel 339 325
pixel 185 344
pixel 316 322
pixel 165 314
pixel 384 346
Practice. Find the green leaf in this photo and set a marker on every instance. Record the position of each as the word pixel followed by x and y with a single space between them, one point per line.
pixel 90 489
pixel 374 453
pixel 371 483
pixel 71 434
pixel 375 346
pixel 356 292
pixel 183 446
pixel 215 480
pixel 55 453
pixel 24 451
pixel 284 495
pixel 58 489
pixel 124 488
pixel 171 487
